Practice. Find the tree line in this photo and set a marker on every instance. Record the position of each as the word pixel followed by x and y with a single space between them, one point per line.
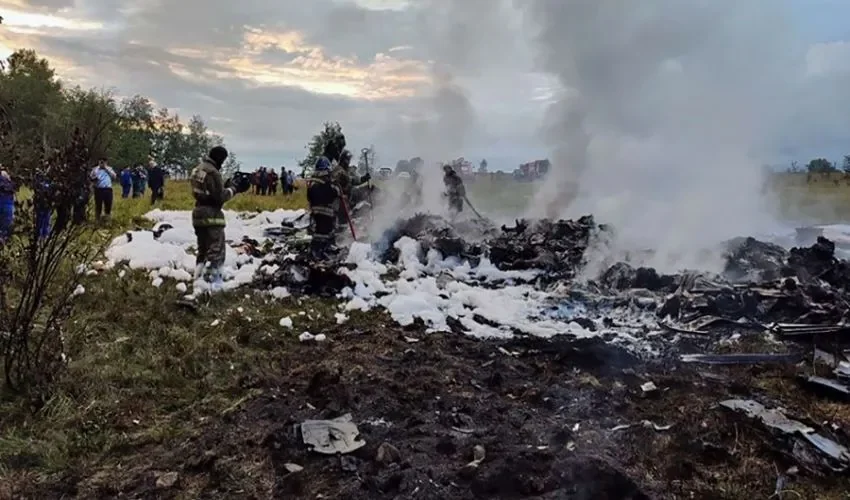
pixel 821 166
pixel 43 112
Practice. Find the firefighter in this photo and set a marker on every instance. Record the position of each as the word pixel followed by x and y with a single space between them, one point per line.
pixel 208 218
pixel 341 178
pixel 323 196
pixel 361 187
pixel 455 190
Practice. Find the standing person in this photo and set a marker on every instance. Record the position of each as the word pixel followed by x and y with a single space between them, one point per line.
pixel 342 180
pixel 74 209
pixel 7 205
pixel 208 219
pixel 455 190
pixel 156 179
pixel 264 181
pixel 137 181
pixel 102 175
pixel 272 182
pixel 126 182
pixel 41 203
pixel 284 181
pixel 323 197
pixel 255 181
pixel 290 181
pixel 143 180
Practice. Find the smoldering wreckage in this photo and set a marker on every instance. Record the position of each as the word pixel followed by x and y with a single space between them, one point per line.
pixel 643 336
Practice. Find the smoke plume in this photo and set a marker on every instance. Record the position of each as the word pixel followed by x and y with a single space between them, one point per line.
pixel 667 107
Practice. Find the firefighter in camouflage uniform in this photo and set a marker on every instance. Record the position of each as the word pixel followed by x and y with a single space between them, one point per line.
pixel 324 198
pixel 210 194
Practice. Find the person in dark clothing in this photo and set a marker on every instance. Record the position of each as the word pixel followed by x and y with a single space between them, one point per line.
pixel 136 176
pixel 285 181
pixel 264 181
pixel 455 190
pixel 323 197
pixel 74 210
pixel 7 205
pixel 42 206
pixel 156 180
pixel 272 182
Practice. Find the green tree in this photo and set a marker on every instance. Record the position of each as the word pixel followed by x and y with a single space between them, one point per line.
pixel 820 166
pixel 231 165
pixel 167 140
pixel 93 115
pixel 134 140
pixel 330 142
pixel 32 100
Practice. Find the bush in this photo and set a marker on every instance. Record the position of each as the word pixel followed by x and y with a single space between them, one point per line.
pixel 39 263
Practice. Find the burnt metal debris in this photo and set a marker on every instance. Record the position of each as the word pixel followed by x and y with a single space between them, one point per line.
pixel 798 300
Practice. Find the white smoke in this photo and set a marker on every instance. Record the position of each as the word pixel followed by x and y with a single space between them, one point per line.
pixel 666 109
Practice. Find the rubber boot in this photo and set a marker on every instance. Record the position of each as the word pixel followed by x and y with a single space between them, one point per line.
pixel 216 279
pixel 199 271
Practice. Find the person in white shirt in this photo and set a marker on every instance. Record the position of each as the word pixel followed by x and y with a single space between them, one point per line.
pixel 102 176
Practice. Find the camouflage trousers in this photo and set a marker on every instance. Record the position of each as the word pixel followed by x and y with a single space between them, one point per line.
pixel 211 245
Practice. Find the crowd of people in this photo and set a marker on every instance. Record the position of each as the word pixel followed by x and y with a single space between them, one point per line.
pixel 264 181
pixel 98 184
pixel 135 181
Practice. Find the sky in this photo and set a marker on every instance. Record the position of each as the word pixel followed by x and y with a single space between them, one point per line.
pixel 431 78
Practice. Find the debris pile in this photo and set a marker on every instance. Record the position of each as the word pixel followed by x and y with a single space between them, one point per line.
pixel 768 306
pixel 766 284
pixel 556 247
pixel 436 233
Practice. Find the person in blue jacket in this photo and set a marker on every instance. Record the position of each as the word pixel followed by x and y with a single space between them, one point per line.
pixel 43 206
pixel 126 182
pixel 7 205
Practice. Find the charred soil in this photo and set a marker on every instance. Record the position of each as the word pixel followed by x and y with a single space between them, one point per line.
pixel 445 416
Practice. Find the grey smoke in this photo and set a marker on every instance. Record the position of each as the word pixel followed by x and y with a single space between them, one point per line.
pixel 667 107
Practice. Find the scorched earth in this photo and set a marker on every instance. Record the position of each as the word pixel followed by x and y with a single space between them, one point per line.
pixel 482 367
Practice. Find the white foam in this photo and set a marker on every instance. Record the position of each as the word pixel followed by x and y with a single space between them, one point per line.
pixel 487 302
pixel 170 254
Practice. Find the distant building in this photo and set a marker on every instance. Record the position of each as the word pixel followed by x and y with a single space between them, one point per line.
pixel 533 170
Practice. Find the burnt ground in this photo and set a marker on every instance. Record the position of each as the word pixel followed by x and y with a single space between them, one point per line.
pixel 542 410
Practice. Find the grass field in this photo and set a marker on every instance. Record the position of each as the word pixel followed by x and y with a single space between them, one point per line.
pixel 144 374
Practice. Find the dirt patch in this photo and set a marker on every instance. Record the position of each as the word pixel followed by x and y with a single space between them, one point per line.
pixel 549 416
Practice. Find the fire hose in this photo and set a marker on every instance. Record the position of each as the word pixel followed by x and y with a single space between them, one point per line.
pixel 472 208
pixel 344 205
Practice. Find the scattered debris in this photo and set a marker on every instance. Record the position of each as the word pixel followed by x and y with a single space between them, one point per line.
pixel 167 480
pixel 330 437
pixel 800 437
pixel 292 468
pixel 743 358
pixel 307 337
pixel 828 387
pixel 648 388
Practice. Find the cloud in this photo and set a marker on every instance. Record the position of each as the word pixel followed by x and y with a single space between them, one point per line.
pixel 273 72
pixel 432 78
